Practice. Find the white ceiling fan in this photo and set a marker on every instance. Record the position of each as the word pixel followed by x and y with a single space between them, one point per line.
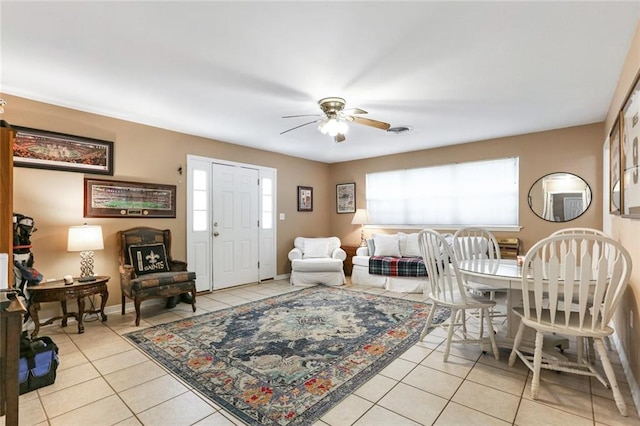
pixel 335 119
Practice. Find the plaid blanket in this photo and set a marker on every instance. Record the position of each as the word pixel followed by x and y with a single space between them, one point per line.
pixel 397 266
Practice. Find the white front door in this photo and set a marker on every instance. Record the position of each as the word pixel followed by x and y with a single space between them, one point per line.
pixel 224 205
pixel 235 227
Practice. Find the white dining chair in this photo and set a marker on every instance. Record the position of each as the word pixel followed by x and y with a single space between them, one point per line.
pixel 447 289
pixel 589 342
pixel 561 268
pixel 478 245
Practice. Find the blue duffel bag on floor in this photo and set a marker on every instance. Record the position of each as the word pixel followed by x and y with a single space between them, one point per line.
pixel 38 363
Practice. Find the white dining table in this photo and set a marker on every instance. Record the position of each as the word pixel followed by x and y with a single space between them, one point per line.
pixel 506 274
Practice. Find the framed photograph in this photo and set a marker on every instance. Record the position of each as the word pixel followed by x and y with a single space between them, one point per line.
pixel 630 134
pixel 41 149
pixel 114 198
pixel 346 198
pixel 305 199
pixel 614 168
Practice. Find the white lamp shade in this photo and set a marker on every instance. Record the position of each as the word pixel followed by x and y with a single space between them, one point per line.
pixel 85 238
pixel 360 218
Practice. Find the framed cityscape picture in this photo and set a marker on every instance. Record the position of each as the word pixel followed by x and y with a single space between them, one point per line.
pixel 346 198
pixel 40 149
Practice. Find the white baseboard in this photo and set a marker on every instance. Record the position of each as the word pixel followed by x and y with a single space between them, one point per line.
pixel 130 307
pixel 283 277
pixel 633 384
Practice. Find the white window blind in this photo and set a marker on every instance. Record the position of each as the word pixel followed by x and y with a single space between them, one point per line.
pixel 481 193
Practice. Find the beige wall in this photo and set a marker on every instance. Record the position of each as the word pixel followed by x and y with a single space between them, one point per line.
pixel 144 154
pixel 628 230
pixel 148 154
pixel 576 149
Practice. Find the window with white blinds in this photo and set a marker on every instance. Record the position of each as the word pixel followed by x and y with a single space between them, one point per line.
pixel 480 193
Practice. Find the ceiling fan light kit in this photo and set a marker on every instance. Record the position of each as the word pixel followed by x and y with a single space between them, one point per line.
pixel 333 127
pixel 335 122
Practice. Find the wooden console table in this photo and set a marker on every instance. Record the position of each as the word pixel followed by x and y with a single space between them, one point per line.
pixel 58 291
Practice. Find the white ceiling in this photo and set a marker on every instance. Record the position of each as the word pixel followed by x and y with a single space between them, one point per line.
pixel 454 71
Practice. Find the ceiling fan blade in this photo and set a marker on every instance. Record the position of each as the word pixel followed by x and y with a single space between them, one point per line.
pixel 339 138
pixel 302 125
pixel 369 122
pixel 302 115
pixel 354 111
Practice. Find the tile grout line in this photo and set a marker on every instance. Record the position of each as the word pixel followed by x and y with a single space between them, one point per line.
pixel 243 295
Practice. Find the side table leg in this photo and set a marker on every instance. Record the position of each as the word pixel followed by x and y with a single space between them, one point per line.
pixel 80 315
pixel 63 303
pixel 105 296
pixel 33 311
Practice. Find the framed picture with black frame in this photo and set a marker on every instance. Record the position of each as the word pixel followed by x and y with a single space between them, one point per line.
pixel 346 198
pixel 305 199
pixel 630 135
pixel 40 149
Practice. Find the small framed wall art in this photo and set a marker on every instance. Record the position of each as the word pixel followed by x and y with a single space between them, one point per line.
pixel 305 199
pixel 346 198
pixel 41 149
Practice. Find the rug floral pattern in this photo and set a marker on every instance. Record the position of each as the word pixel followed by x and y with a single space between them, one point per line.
pixel 287 360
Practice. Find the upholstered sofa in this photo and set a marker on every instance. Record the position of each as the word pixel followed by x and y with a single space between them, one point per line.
pixel 317 261
pixel 392 262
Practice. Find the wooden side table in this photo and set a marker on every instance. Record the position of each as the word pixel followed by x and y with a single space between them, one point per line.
pixel 58 291
pixel 509 247
pixel 348 263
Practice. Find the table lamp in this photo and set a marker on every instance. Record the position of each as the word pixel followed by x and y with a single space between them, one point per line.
pixel 85 239
pixel 361 218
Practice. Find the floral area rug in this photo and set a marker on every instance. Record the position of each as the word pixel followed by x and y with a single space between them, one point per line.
pixel 289 359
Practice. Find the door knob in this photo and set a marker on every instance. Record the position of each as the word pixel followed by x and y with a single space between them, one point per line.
pixel 215 234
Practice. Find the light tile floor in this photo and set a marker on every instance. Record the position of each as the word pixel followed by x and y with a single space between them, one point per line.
pixel 104 380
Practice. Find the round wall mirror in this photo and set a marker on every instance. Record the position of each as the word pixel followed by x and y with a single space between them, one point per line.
pixel 615 197
pixel 559 197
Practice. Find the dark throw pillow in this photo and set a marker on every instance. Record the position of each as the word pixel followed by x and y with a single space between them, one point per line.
pixel 149 258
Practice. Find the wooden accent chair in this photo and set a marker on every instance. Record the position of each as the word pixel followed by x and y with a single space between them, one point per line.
pixel 147 270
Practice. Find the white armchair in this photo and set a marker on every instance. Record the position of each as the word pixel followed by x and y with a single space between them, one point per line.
pixel 317 261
